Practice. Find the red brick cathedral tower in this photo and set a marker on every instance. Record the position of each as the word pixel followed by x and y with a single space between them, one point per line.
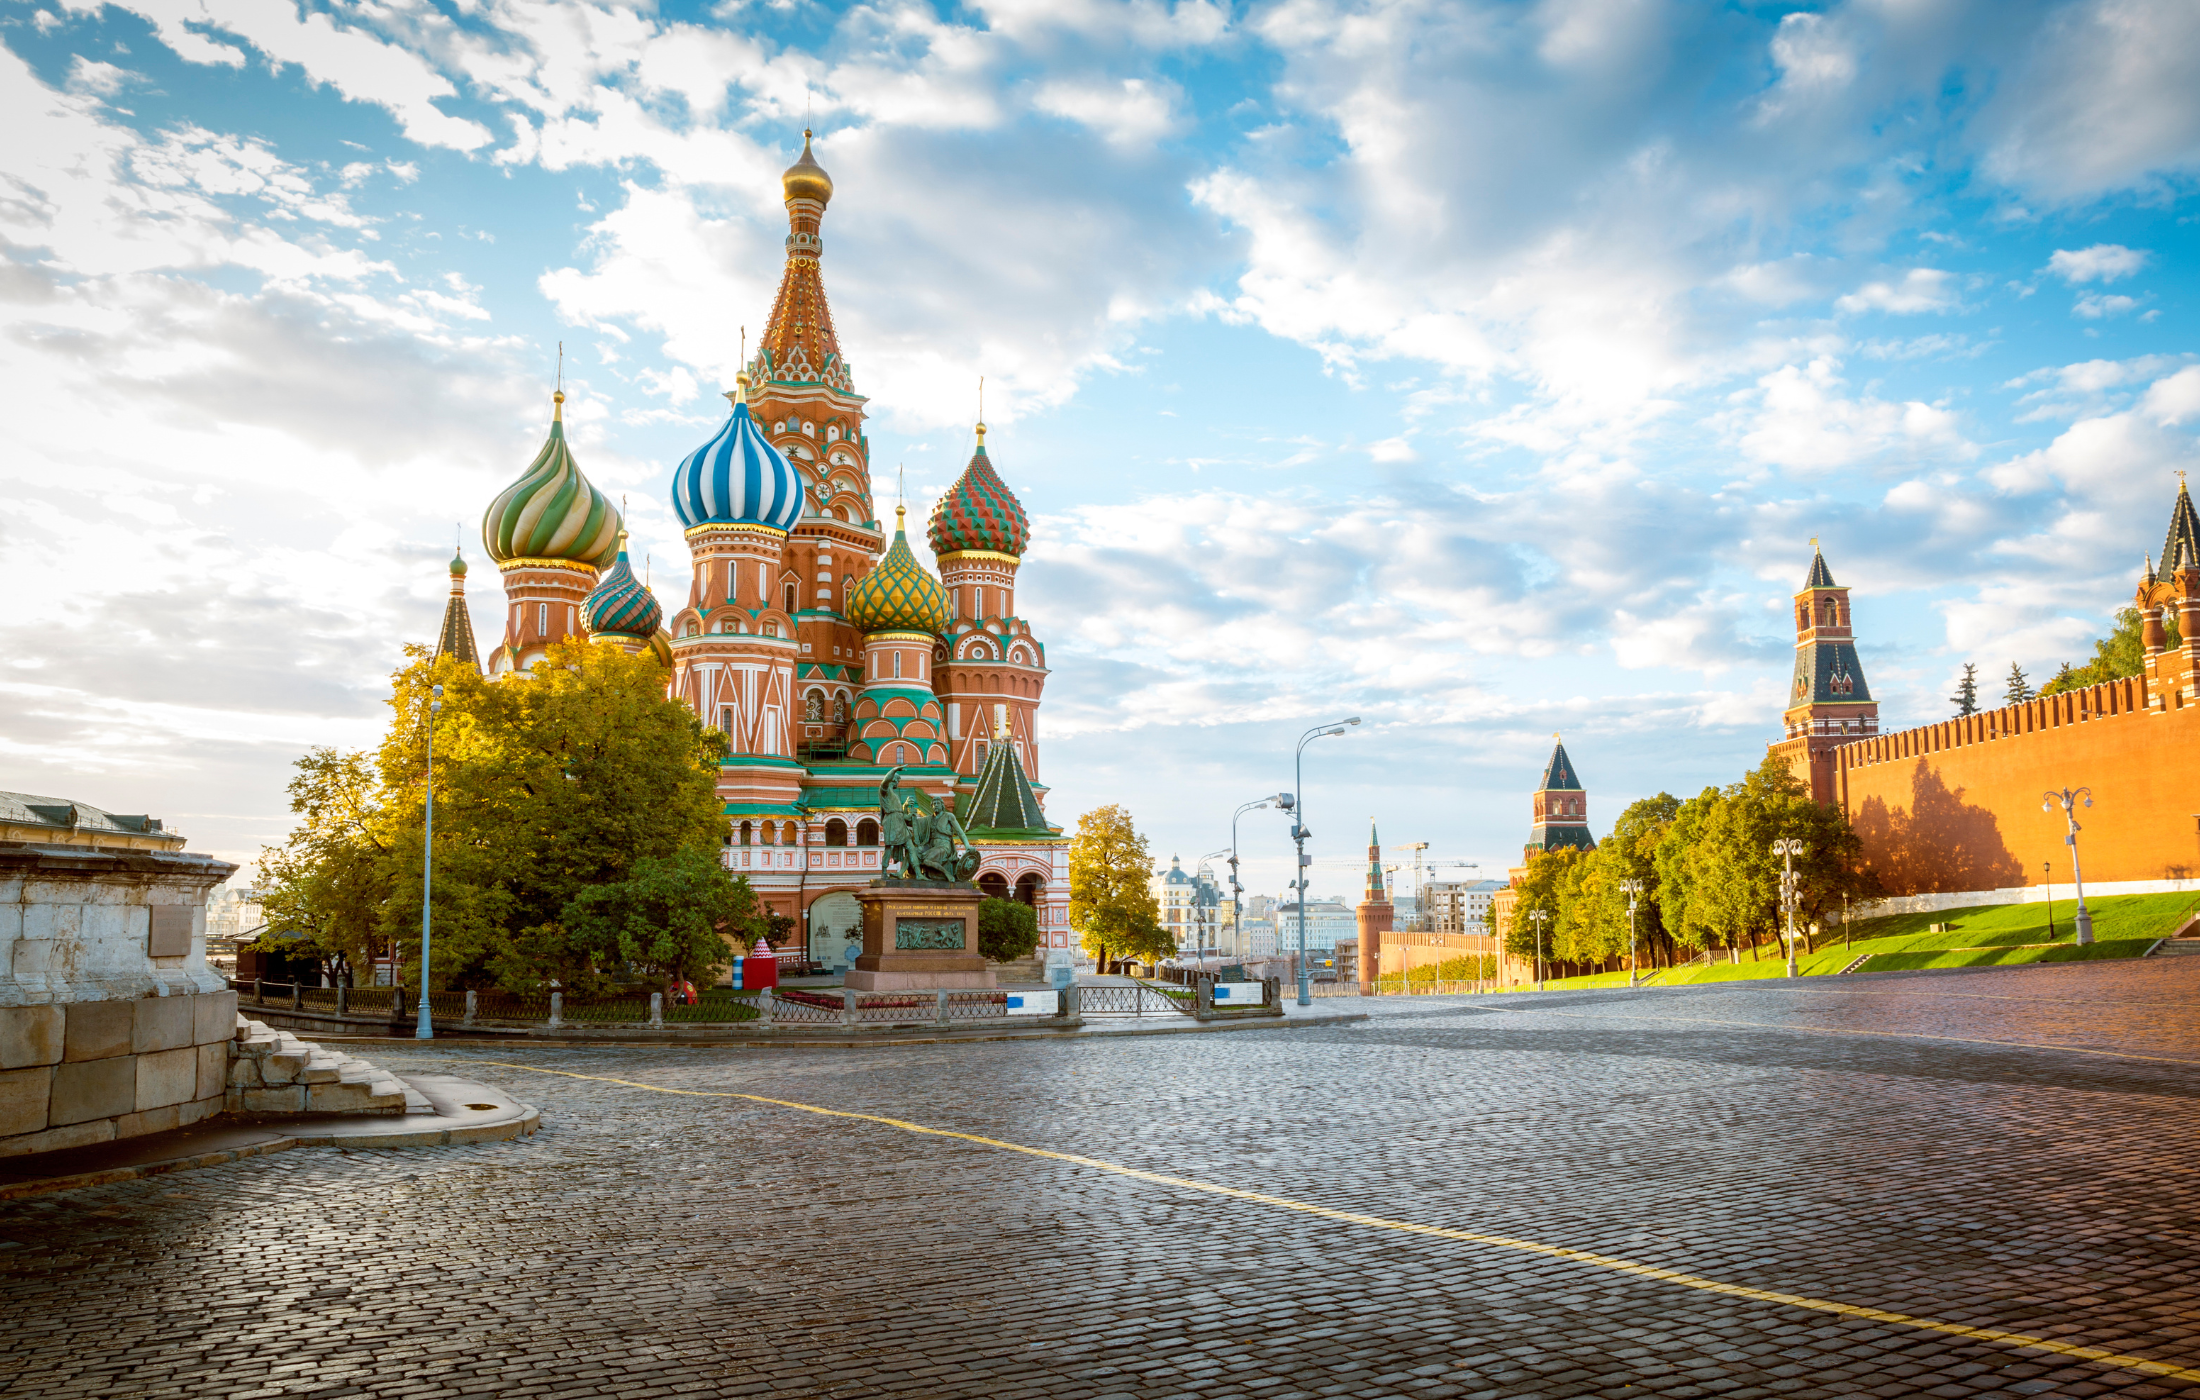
pixel 1828 702
pixel 1376 913
pixel 992 669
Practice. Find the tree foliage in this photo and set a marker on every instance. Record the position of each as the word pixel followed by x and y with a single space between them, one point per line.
pixel 1008 929
pixel 668 917
pixel 1111 901
pixel 544 787
pixel 1708 875
pixel 2122 653
pixel 2018 689
pixel 1966 697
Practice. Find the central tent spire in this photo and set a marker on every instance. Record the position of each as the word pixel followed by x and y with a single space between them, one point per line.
pixel 799 345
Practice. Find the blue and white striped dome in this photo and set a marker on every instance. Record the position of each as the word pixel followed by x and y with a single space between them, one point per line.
pixel 737 478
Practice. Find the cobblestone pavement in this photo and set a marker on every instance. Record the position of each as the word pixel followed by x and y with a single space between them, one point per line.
pixel 1854 1141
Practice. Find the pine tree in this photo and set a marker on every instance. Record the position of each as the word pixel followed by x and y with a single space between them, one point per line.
pixel 2018 690
pixel 1966 697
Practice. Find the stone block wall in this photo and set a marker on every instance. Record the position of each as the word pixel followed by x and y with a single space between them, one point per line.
pixel 111 1023
pixel 73 1073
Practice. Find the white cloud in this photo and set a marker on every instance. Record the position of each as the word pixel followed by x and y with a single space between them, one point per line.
pixel 2093 306
pixel 1807 423
pixel 1919 289
pixel 2103 262
pixel 1129 113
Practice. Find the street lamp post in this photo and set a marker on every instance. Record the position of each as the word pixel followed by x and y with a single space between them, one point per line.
pixel 1536 917
pixel 1299 833
pixel 2047 875
pixel 1787 849
pixel 1633 889
pixel 1199 918
pixel 2070 802
pixel 423 1025
pixel 1237 913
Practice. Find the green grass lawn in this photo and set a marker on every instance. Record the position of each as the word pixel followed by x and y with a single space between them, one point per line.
pixel 2124 926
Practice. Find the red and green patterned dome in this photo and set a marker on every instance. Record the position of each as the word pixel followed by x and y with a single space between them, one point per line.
pixel 979 512
pixel 899 595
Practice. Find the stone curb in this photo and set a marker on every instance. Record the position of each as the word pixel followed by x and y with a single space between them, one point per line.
pixel 877 1039
pixel 522 1123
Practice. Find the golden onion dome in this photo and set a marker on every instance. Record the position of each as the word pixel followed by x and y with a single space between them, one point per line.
pixel 899 595
pixel 806 179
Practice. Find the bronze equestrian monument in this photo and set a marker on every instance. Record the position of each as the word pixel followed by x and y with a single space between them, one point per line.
pixel 920 918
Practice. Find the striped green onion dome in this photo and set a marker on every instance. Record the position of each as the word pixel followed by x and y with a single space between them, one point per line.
pixel 552 512
pixel 979 512
pixel 898 595
pixel 621 604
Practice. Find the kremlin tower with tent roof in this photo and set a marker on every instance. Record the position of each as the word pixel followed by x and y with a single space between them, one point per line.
pixel 824 651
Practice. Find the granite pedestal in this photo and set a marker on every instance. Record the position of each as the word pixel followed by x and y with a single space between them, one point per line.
pixel 918 937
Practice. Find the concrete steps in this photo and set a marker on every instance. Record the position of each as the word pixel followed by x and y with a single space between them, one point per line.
pixel 272 1071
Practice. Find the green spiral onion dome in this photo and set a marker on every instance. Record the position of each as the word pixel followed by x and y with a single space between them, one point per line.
pixel 979 512
pixel 552 512
pixel 621 604
pixel 898 595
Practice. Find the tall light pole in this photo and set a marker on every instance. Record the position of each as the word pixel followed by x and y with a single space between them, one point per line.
pixel 1787 849
pixel 2070 801
pixel 1537 916
pixel 423 1025
pixel 1633 889
pixel 1299 833
pixel 1237 912
pixel 2047 873
pixel 1199 874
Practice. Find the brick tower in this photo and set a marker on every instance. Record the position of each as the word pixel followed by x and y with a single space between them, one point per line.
pixel 1375 912
pixel 992 669
pixel 1828 702
pixel 1561 807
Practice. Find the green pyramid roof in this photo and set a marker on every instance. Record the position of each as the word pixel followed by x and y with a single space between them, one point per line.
pixel 1003 799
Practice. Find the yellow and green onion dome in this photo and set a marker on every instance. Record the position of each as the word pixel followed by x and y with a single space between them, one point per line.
pixel 621 604
pixel 898 595
pixel 979 512
pixel 552 512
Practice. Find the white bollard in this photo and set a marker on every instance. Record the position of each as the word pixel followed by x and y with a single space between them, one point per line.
pixel 656 1011
pixel 557 1009
pixel 470 1007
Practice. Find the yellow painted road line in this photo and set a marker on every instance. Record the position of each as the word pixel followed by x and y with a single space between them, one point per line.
pixel 1845 1030
pixel 2145 1365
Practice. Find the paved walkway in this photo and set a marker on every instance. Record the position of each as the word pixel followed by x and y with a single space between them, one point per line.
pixel 1984 1185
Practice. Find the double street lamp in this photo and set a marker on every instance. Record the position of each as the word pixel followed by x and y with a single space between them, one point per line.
pixel 1633 890
pixel 1237 915
pixel 1791 888
pixel 2070 801
pixel 1299 833
pixel 1537 916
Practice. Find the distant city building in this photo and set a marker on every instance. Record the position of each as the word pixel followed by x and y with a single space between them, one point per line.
pixel 1190 906
pixel 1327 921
pixel 1260 938
pixel 1459 906
pixel 1260 906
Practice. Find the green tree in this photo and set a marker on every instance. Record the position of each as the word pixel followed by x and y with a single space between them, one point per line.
pixel 1628 853
pixel 1111 901
pixel 1549 884
pixel 668 917
pixel 2018 690
pixel 1684 916
pixel 1008 929
pixel 2121 653
pixel 1966 697
pixel 329 879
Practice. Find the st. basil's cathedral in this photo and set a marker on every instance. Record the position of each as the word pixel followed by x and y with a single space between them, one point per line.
pixel 824 651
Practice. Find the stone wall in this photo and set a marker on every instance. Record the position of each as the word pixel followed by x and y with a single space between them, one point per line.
pixel 1955 806
pixel 111 1023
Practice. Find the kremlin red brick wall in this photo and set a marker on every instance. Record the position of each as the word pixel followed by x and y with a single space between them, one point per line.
pixel 1956 805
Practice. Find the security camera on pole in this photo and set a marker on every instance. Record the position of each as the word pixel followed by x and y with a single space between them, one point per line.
pixel 1299 833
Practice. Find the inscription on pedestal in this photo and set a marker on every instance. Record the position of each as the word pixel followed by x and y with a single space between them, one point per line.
pixel 928 933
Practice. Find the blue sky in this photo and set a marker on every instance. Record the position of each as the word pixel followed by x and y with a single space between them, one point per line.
pixel 1480 369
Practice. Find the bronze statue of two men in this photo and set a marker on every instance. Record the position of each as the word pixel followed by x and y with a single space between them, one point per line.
pixel 921 834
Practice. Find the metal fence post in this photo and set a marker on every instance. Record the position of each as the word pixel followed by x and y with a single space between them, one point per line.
pixel 847 1006
pixel 471 1008
pixel 557 1009
pixel 656 1011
